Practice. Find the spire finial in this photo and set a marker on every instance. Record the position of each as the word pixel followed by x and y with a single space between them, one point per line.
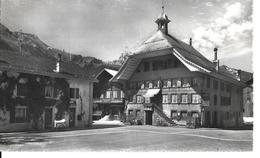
pixel 163 6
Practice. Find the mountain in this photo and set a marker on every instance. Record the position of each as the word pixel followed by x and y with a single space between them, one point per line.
pixel 29 44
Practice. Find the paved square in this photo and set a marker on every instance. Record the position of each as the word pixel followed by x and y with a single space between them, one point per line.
pixel 130 138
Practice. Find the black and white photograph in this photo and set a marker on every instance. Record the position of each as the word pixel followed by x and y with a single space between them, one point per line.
pixel 127 76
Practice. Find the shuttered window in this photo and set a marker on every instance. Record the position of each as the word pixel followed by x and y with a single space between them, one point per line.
pixel 196 98
pixel 174 98
pixel 165 99
pixel 184 98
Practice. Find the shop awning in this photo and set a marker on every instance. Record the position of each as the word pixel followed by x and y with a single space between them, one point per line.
pixel 151 93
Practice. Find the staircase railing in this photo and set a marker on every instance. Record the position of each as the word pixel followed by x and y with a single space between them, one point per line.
pixel 163 115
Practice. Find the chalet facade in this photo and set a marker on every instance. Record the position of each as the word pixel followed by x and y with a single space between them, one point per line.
pixel 37 91
pixel 168 81
pixel 108 97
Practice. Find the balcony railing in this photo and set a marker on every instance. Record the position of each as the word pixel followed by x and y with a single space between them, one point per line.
pixel 108 100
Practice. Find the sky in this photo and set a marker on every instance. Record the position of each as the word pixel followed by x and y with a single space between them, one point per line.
pixel 106 28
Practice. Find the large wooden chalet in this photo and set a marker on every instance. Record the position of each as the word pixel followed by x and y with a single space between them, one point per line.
pixel 167 80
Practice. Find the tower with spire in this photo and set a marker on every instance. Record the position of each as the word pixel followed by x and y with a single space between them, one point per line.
pixel 162 21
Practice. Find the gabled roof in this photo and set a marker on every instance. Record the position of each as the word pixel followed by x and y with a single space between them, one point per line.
pixel 161 40
pixel 168 44
pixel 109 71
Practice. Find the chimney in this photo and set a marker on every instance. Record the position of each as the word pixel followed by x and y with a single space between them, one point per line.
pixel 58 64
pixel 190 41
pixel 216 61
pixel 239 75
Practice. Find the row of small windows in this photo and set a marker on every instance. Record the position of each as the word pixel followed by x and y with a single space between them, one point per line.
pixel 216 85
pixel 183 114
pixel 49 91
pixel 171 98
pixel 224 101
pixel 168 83
pixel 113 94
pixel 160 65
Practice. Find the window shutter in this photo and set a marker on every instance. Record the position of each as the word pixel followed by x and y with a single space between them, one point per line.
pixel 169 98
pixel 142 99
pixel 77 92
pixel 179 98
pixel 119 94
pixel 134 98
pixel 189 98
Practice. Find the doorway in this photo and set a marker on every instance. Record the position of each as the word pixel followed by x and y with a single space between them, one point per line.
pixel 148 117
pixel 215 119
pixel 72 116
pixel 207 119
pixel 48 118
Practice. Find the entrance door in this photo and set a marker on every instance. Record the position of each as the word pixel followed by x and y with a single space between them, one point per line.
pixel 215 119
pixel 72 115
pixel 148 117
pixel 207 119
pixel 48 118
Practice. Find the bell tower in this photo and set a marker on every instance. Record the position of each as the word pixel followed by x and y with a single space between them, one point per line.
pixel 162 21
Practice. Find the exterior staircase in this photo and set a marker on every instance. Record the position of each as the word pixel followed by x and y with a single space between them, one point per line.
pixel 163 115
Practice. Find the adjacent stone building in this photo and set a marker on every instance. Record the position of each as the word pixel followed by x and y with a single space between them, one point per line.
pixel 169 81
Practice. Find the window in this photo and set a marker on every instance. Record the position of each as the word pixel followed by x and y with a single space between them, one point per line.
pixel 228 88
pixel 21 89
pixel 215 84
pixel 138 113
pixel 174 98
pixel 184 114
pixel 146 66
pixel 102 96
pixel 227 115
pixel 139 99
pixel 169 83
pixel 194 114
pixel 74 93
pixel 222 86
pixel 131 112
pixel 122 94
pixel 115 94
pixel 208 82
pixel 141 85
pixel 196 98
pixel 147 99
pixel 184 98
pixel 176 83
pixel 174 114
pixel 20 114
pixel 215 100
pixel 225 101
pixel 148 84
pixel 50 92
pixel 165 99
pixel 164 83
pixel 186 82
pixel 156 84
pixel 155 65
pixel 170 63
pixel 108 94
pixel 197 82
pixel 177 63
pixel 160 65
